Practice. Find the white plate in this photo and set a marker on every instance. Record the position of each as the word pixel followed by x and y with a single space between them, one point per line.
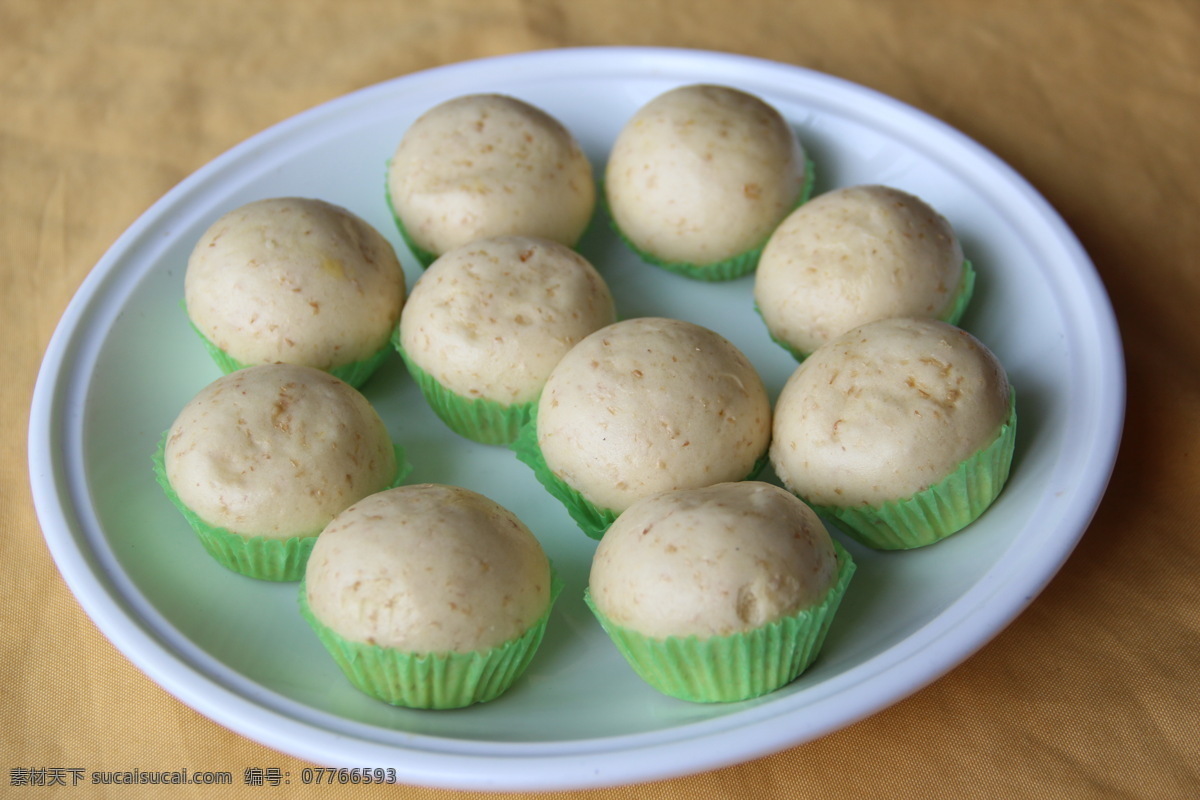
pixel 124 361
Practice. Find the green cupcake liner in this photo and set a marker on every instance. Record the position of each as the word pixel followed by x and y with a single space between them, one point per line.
pixel 723 669
pixel 942 509
pixel 426 257
pixel 590 518
pixel 432 680
pixel 478 419
pixel 962 298
pixel 726 269
pixel 354 373
pixel 263 557
pixel 796 353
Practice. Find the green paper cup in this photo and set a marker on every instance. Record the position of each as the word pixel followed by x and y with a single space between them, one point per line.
pixel 424 257
pixel 478 419
pixel 432 680
pixel 962 298
pixel 944 508
pixel 724 270
pixel 263 557
pixel 591 519
pixel 354 373
pixel 724 669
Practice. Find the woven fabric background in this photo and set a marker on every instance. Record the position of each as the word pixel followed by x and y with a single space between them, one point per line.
pixel 1094 691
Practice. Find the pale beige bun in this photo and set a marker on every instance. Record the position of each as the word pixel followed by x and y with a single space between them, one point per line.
pixel 428 569
pixel 277 450
pixel 491 319
pixel 703 173
pixel 712 562
pixel 885 411
pixel 651 404
pixel 296 281
pixel 853 256
pixel 489 165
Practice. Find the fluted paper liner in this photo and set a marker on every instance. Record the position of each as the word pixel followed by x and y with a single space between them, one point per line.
pixel 476 418
pixel 944 508
pixel 432 680
pixel 424 257
pixel 266 558
pixel 739 666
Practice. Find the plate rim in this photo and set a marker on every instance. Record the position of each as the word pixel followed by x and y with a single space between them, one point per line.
pixel 512 768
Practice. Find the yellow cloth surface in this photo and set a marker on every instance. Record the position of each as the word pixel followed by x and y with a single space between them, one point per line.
pixel 1094 691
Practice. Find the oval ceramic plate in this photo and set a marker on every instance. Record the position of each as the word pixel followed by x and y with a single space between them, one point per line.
pixel 124 361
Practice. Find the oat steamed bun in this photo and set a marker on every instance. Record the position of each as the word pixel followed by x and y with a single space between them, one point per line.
pixel 429 596
pixel 487 165
pixel 718 593
pixel 262 459
pixel 699 178
pixel 856 255
pixel 296 281
pixel 488 321
pixel 712 561
pixel 900 429
pixel 643 406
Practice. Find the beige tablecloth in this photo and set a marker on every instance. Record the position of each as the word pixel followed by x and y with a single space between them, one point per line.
pixel 1094 691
